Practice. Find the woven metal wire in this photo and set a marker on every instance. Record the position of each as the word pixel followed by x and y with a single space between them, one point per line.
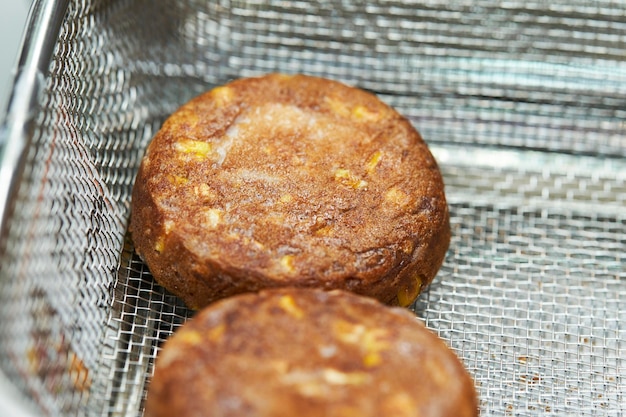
pixel 523 104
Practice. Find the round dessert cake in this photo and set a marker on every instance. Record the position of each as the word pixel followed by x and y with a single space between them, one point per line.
pixel 307 352
pixel 289 181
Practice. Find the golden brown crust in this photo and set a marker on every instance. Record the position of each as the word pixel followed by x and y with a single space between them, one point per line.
pixel 289 181
pixel 302 352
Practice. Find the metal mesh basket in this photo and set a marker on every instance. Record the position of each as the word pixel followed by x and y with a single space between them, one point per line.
pixel 523 103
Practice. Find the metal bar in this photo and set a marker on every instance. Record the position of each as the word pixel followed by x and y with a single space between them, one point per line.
pixel 40 36
pixel 42 30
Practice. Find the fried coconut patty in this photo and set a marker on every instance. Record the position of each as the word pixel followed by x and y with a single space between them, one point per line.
pixel 305 352
pixel 289 181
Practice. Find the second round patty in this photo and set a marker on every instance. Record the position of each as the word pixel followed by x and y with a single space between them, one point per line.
pixel 300 352
pixel 284 181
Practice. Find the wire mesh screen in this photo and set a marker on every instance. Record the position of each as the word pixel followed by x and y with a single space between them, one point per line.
pixel 523 104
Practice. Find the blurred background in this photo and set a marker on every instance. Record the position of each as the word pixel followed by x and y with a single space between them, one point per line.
pixel 12 21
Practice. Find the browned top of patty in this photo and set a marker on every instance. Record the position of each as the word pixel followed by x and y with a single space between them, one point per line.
pixel 305 353
pixel 290 179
